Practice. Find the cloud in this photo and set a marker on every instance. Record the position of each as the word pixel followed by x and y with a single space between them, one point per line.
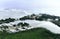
pixel 47 6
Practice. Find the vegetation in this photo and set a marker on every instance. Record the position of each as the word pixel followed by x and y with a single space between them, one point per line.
pixel 38 17
pixel 56 22
pixel 38 33
pixel 43 17
pixel 7 20
pixel 23 25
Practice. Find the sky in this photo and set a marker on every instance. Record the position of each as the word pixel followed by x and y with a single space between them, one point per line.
pixel 43 6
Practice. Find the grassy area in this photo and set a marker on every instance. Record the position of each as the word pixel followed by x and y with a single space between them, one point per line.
pixel 38 33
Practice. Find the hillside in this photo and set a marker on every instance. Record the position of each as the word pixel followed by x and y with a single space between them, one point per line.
pixel 46 21
pixel 38 33
pixel 29 26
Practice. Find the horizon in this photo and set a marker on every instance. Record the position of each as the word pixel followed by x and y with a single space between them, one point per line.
pixel 34 6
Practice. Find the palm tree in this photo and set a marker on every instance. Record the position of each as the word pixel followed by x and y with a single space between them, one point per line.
pixel 1 27
pixel 33 15
pixel 25 25
pixel 19 24
pixel 14 25
pixel 4 27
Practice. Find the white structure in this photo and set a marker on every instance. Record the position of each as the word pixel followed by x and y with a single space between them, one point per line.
pixel 49 19
pixel 36 24
pixel 56 19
